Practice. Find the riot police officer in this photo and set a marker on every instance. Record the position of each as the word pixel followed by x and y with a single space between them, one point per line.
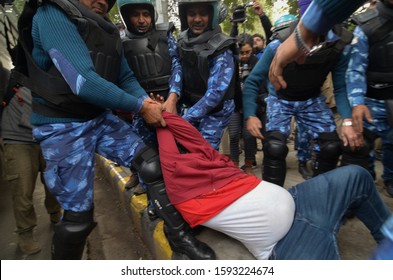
pixel 370 85
pixel 208 69
pixel 301 99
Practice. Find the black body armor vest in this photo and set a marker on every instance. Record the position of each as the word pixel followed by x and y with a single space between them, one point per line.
pixel 195 64
pixel 377 24
pixel 304 81
pixel 149 59
pixel 104 43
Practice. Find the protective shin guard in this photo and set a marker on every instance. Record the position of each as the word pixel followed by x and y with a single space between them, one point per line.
pixel 71 234
pixel 274 171
pixel 179 237
pixel 275 151
pixel 330 151
pixel 163 207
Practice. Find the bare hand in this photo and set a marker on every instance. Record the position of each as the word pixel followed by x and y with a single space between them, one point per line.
pixel 158 98
pixel 254 126
pixel 258 9
pixel 285 54
pixel 360 113
pixel 351 137
pixel 151 112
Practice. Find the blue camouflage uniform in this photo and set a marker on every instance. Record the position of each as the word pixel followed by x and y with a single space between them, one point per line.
pixel 212 125
pixel 357 89
pixel 313 114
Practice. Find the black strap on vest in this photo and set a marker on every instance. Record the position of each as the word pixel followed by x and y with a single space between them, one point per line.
pixel 380 33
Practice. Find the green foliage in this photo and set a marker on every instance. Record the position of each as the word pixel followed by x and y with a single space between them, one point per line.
pixel 114 14
pixel 19 4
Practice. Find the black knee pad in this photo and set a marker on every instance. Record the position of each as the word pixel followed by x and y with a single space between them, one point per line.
pixel 329 153
pixel 275 151
pixel 275 146
pixel 147 164
pixel 75 226
pixel 330 146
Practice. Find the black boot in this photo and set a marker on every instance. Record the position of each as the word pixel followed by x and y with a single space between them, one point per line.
pixel 176 230
pixel 183 242
pixel 304 170
pixel 71 234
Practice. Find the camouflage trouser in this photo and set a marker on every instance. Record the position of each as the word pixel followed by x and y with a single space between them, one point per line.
pixel 212 125
pixel 381 128
pixel 303 144
pixel 69 150
pixel 313 115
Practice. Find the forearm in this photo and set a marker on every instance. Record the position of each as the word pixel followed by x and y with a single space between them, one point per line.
pixel 321 15
pixel 68 52
pixel 356 81
pixel 176 79
pixel 234 30
pixel 267 27
pixel 253 82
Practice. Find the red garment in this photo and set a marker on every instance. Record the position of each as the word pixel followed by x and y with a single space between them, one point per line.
pixel 192 174
pixel 198 210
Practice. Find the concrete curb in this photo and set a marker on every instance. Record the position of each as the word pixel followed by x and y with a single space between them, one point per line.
pixel 151 232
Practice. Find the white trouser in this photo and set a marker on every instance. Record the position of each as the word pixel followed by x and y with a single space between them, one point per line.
pixel 259 219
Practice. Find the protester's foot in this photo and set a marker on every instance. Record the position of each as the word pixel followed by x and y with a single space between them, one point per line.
pixel 183 242
pixel 305 171
pixel 28 244
pixel 389 187
pixel 55 217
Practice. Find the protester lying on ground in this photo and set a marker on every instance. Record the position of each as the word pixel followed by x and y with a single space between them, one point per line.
pixel 209 190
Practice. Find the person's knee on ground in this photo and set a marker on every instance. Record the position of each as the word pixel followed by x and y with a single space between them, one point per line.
pixel 181 240
pixel 71 233
pixel 329 153
pixel 275 151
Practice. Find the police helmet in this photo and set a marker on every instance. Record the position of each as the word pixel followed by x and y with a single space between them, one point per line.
pixel 213 16
pixel 111 3
pixel 283 22
pixel 125 6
